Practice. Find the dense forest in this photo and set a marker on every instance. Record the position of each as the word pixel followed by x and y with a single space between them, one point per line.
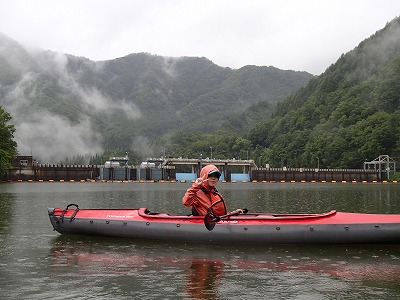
pixel 150 105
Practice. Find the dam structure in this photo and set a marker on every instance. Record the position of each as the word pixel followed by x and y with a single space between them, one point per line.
pixel 184 169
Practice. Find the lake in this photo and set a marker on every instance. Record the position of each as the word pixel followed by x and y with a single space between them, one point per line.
pixel 38 263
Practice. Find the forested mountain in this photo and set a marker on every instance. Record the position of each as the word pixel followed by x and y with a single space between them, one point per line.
pixel 345 116
pixel 64 106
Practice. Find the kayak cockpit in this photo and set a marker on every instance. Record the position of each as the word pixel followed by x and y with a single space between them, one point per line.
pixel 144 212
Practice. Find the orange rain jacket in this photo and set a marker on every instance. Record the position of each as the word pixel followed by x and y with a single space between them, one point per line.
pixel 201 197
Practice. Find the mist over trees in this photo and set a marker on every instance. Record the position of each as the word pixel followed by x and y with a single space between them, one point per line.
pixel 148 105
pixel 65 106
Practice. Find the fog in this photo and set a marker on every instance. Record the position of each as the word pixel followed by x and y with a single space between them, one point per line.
pixel 300 35
pixel 52 138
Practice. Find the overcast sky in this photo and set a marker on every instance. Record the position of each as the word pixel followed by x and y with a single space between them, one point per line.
pixel 301 35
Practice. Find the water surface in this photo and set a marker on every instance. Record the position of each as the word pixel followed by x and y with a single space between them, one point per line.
pixel 38 263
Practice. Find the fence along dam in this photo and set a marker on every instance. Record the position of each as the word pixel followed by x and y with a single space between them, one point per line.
pixel 168 169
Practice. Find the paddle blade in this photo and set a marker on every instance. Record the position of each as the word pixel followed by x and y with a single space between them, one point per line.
pixel 209 220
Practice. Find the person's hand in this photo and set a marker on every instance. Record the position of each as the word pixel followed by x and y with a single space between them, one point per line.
pixel 241 211
pixel 200 180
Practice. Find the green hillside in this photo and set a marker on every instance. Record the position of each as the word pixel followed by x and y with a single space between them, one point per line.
pixel 347 115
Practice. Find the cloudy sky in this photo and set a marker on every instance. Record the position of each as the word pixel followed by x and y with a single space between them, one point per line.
pixel 301 35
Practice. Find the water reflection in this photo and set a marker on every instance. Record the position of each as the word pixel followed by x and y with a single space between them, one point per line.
pixel 145 262
pixel 204 271
pixel 202 278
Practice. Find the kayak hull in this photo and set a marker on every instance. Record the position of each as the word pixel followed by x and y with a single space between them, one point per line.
pixel 261 228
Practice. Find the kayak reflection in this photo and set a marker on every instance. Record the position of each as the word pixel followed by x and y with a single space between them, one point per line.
pixel 201 271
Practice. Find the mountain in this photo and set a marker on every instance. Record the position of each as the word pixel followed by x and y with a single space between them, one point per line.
pixel 347 115
pixel 63 105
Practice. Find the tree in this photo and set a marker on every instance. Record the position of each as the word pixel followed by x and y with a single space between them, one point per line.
pixel 8 147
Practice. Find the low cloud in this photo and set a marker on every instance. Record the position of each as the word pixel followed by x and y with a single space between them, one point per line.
pixel 52 139
pixel 92 99
pixel 141 145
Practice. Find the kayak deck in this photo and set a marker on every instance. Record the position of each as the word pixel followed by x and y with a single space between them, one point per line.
pixel 331 217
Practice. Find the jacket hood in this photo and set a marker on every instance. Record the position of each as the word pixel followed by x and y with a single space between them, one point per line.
pixel 207 169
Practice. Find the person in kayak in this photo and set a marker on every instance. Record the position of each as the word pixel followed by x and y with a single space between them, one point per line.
pixel 202 194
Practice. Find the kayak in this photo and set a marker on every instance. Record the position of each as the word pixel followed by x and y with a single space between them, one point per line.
pixel 252 228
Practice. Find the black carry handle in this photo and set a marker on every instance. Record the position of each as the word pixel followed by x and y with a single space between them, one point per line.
pixel 73 215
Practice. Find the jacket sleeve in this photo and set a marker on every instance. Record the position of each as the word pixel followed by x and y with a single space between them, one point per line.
pixel 190 198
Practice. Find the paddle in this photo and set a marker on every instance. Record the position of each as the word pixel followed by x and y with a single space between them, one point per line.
pixel 210 218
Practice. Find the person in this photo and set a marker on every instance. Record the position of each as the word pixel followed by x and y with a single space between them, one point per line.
pixel 203 193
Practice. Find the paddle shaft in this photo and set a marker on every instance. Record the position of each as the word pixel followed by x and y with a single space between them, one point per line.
pixel 245 210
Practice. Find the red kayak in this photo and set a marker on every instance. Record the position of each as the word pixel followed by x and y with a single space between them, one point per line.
pixel 250 228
